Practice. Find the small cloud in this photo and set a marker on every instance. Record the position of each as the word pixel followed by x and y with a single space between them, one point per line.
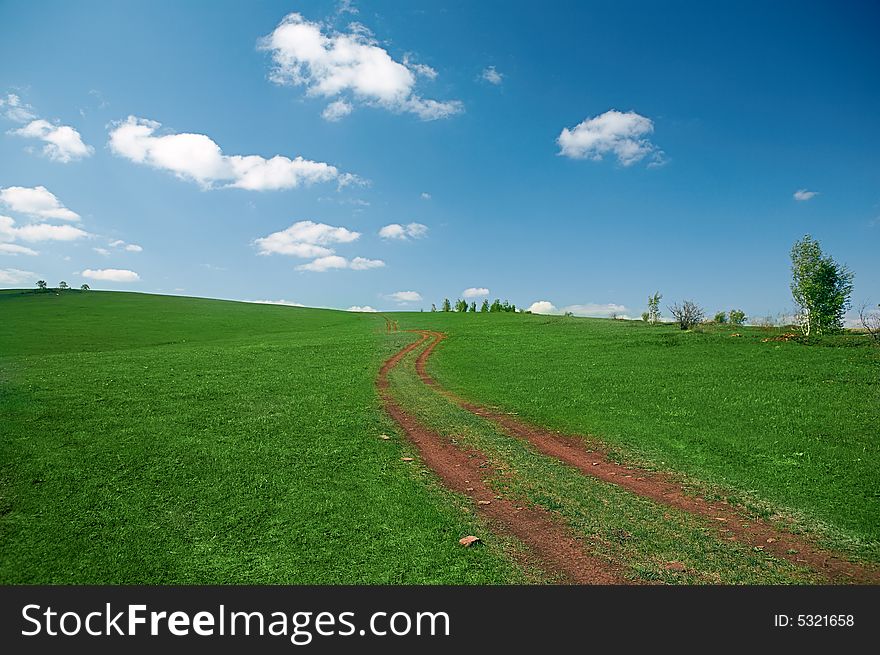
pixel 802 195
pixel 63 143
pixel 623 135
pixel 543 307
pixel 288 303
pixel 13 249
pixel 403 232
pixel 492 76
pixel 305 239
pixel 16 276
pixel 102 251
pixel 36 201
pixel 597 310
pixel 14 109
pixel 363 264
pixel 475 292
pixel 425 195
pixel 336 111
pixel 111 275
pixel 335 262
pixel 361 308
pixel 38 231
pixel 405 296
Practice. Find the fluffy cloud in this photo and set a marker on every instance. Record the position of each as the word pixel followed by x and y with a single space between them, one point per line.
pixel 425 195
pixel 597 310
pixel 348 66
pixel 38 232
pixel 111 275
pixel 287 303
pixel 305 239
pixel 336 111
pixel 802 194
pixel 492 76
pixel 128 247
pixel 36 201
pixel 363 264
pixel 403 232
pixel 543 307
pixel 323 264
pixel 63 143
pixel 198 158
pixel 102 251
pixel 475 292
pixel 14 109
pixel 406 296
pixel 361 308
pixel 620 134
pixel 15 276
pixel 14 249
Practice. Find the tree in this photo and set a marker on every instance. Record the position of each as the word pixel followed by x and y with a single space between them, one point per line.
pixel 870 321
pixel 821 288
pixel 736 317
pixel 461 305
pixel 42 286
pixel 474 306
pixel 687 315
pixel 496 306
pixel 433 307
pixel 85 287
pixel 645 316
pixel 653 308
pixel 485 306
pixel 720 318
pixel 446 306
pixel 62 285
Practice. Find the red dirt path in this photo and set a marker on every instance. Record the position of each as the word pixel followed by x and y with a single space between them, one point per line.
pixel 732 523
pixel 553 548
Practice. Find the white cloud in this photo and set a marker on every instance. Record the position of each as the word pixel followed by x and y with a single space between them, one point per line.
pixel 349 66
pixel 426 195
pixel 597 310
pixel 133 247
pixel 492 76
pixel 620 134
pixel 196 157
pixel 15 110
pixel 15 276
pixel 102 251
pixel 288 303
pixel 475 292
pixel 63 143
pixel 361 308
pixel 403 232
pixel 128 247
pixel 38 231
pixel 323 264
pixel 36 201
pixel 111 275
pixel 14 249
pixel 802 194
pixel 305 239
pixel 406 296
pixel 336 111
pixel 363 264
pixel 543 307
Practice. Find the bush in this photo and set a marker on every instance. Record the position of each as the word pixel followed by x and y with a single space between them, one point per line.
pixel 687 315
pixel 720 318
pixel 736 317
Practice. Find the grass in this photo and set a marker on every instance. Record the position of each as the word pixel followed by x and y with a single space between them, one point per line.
pixel 616 525
pixel 150 439
pixel 789 426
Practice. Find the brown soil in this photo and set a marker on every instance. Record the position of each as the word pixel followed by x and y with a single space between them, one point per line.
pixel 731 522
pixel 551 547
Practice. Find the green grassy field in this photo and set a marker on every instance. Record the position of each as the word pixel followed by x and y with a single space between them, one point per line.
pixel 150 439
pixel 780 424
pixel 156 439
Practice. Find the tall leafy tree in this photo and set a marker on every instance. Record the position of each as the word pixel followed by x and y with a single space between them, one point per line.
pixel 41 285
pixel 821 287
pixel 474 306
pixel 447 307
pixel 485 306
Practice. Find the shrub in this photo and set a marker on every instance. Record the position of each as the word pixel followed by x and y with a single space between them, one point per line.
pixel 736 317
pixel 687 315
pixel 720 318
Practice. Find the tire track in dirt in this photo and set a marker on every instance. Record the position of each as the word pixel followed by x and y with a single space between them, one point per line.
pixel 554 549
pixel 730 522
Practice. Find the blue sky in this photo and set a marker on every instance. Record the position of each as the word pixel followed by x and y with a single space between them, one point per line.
pixel 691 126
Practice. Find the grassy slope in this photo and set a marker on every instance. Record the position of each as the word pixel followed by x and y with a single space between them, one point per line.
pixel 792 424
pixel 148 439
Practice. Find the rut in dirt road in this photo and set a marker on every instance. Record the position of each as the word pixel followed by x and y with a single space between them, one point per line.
pixel 552 547
pixel 730 522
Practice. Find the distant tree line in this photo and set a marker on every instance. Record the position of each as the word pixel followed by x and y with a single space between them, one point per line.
pixel 42 287
pixel 463 306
